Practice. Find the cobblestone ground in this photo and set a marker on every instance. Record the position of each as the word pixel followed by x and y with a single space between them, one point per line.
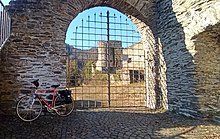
pixel 109 125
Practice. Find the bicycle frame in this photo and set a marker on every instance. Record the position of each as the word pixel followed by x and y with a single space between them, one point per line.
pixel 27 110
pixel 54 91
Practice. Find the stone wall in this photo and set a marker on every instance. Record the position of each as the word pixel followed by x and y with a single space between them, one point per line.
pixel 191 70
pixel 32 51
pixel 180 37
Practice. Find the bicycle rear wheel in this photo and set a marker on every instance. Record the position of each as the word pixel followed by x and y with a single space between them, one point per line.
pixel 29 108
pixel 63 109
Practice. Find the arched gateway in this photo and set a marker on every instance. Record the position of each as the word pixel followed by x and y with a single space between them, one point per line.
pixel 175 78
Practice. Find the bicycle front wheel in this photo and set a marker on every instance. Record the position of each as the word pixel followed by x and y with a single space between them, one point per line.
pixel 29 108
pixel 63 109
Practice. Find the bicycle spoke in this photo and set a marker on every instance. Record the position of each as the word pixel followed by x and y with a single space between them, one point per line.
pixel 63 109
pixel 29 109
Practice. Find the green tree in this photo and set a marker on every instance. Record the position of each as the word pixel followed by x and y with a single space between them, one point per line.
pixel 75 76
pixel 88 70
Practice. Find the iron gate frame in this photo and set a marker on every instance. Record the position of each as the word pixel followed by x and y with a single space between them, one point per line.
pixel 108 28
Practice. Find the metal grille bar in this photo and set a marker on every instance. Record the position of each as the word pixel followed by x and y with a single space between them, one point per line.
pixel 5 23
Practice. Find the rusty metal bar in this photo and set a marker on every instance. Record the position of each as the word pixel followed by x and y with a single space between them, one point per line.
pixel 108 59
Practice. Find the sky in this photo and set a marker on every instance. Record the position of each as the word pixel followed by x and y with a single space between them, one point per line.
pixel 121 28
pixel 5 2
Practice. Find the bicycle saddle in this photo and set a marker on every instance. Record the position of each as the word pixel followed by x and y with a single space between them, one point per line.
pixel 55 86
pixel 36 83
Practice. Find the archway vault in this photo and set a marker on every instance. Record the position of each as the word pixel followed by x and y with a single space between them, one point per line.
pixel 142 14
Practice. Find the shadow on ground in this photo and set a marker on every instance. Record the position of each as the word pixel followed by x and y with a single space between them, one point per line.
pixel 108 124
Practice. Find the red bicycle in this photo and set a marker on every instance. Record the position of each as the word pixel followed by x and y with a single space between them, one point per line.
pixel 29 107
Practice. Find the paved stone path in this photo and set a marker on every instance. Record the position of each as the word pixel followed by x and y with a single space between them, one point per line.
pixel 109 125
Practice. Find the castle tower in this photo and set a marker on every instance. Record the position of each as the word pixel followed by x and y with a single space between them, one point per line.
pixel 115 53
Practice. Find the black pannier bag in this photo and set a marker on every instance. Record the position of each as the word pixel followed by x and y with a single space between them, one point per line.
pixel 66 96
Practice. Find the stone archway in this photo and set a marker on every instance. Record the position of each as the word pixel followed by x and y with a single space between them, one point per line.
pixel 207 59
pixel 142 14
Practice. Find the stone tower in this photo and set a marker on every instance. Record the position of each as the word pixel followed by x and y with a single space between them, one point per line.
pixel 115 53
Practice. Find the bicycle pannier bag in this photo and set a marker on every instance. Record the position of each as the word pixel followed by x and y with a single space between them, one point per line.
pixel 66 96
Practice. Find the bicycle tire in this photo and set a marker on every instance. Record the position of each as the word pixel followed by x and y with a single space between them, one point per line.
pixel 63 109
pixel 27 110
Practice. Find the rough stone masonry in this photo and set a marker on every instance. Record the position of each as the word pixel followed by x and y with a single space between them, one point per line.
pixel 181 40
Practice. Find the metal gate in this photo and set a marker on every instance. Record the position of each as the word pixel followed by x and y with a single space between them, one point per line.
pixel 106 64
